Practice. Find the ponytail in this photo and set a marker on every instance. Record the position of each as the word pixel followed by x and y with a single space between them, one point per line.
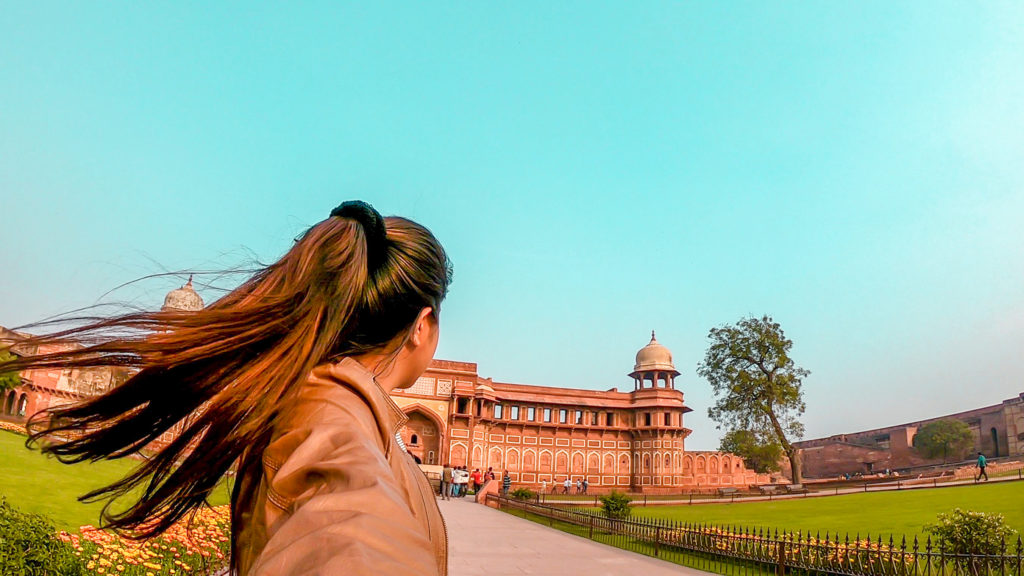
pixel 224 373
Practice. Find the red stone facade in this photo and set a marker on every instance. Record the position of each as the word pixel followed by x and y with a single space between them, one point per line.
pixel 632 440
pixel 998 432
pixel 628 440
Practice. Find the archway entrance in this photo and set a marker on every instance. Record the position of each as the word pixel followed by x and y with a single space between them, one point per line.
pixel 12 397
pixel 422 438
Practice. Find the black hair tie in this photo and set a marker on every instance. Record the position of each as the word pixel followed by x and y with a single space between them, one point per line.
pixel 373 226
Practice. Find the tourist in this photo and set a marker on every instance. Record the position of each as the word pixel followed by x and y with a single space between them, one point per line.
pixel 461 481
pixel 566 485
pixel 506 483
pixel 982 463
pixel 476 480
pixel 543 486
pixel 446 481
pixel 585 484
pixel 490 473
pixel 579 485
pixel 286 379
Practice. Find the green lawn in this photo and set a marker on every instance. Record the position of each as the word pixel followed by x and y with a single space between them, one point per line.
pixel 904 512
pixel 36 483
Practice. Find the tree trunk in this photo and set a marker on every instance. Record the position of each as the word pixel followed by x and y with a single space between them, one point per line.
pixel 794 465
pixel 791 451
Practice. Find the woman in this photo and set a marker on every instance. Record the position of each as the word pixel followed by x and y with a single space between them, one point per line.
pixel 288 377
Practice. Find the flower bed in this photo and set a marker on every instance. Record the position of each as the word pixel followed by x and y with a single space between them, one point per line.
pixel 13 427
pixel 197 547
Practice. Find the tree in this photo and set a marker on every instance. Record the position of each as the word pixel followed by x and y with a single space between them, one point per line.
pixel 942 438
pixel 757 386
pixel 759 453
pixel 8 380
pixel 616 505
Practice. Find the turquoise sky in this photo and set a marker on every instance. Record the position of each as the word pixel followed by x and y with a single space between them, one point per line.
pixel 596 170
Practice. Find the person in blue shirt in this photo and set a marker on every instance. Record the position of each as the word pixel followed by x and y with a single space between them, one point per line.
pixel 981 466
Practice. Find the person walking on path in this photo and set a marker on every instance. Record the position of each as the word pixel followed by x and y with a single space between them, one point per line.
pixel 285 379
pixel 446 482
pixel 566 485
pixel 982 463
pixel 506 483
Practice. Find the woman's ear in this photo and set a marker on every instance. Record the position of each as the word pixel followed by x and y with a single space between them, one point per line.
pixel 423 328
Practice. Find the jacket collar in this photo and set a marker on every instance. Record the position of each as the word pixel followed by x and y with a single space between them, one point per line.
pixel 353 375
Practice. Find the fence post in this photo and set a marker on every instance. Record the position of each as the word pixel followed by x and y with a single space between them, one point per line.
pixel 657 540
pixel 591 516
pixel 645 500
pixel 780 561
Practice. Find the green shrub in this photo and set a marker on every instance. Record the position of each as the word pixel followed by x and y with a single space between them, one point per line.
pixel 969 532
pixel 29 546
pixel 616 505
pixel 522 494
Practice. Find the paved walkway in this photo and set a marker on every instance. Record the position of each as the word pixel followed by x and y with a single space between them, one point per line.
pixel 482 540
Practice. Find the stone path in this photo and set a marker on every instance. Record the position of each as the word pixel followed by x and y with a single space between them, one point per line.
pixel 484 541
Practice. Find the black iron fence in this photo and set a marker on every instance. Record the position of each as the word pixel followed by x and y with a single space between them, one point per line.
pixel 734 550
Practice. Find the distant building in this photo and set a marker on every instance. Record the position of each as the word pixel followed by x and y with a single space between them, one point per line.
pixel 44 388
pixel 998 431
pixel 627 440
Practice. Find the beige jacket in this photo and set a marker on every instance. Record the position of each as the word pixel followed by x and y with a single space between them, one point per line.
pixel 338 494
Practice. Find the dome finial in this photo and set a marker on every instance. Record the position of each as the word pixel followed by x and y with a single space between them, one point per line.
pixel 189 284
pixel 652 335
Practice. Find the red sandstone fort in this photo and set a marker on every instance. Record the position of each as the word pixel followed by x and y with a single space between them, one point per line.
pixel 628 440
pixel 634 440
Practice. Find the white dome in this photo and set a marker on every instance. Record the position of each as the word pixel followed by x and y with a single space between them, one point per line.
pixel 654 356
pixel 184 299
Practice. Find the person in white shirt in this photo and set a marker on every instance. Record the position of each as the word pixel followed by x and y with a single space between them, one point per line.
pixel 461 480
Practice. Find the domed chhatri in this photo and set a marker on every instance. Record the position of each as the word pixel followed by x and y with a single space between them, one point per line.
pixel 184 299
pixel 654 356
pixel 654 364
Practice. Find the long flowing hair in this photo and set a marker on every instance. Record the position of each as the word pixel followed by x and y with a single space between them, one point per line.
pixel 227 371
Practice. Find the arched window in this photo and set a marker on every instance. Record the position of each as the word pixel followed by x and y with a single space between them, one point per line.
pixel 414 440
pixel 562 462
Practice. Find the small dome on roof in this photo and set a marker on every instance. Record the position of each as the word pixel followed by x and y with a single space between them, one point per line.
pixel 654 356
pixel 184 299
